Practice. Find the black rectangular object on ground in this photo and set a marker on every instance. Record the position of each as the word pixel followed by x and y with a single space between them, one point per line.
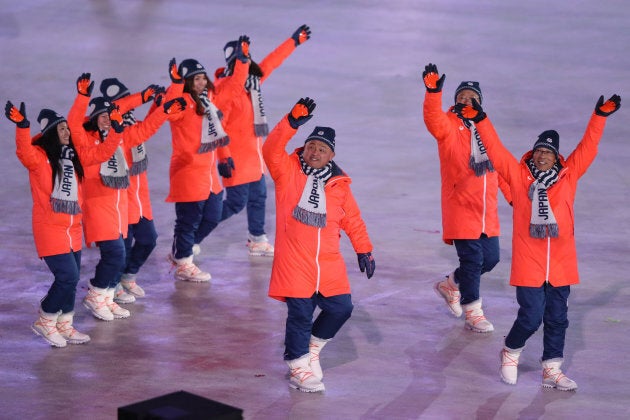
pixel 179 405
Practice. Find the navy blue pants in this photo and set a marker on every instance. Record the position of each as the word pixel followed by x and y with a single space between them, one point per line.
pixel 476 257
pixel 141 241
pixel 538 305
pixel 253 195
pixel 194 221
pixel 111 264
pixel 61 295
pixel 335 311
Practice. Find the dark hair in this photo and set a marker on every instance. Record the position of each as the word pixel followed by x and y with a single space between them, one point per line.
pixel 189 83
pixel 50 144
pixel 254 68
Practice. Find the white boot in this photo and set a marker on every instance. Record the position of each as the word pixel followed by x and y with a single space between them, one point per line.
pixel 315 346
pixel 553 376
pixel 509 364
pixel 114 308
pixel 46 327
pixel 67 330
pixel 302 376
pixel 259 246
pixel 475 320
pixel 95 302
pixel 128 281
pixel 186 270
pixel 121 295
pixel 449 291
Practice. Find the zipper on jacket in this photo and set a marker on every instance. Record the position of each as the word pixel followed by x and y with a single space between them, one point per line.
pixel 118 211
pixel 260 157
pixel 548 258
pixel 483 218
pixel 68 231
pixel 138 196
pixel 319 235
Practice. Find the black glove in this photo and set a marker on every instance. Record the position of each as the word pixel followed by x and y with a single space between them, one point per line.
pixel 472 112
pixel 242 49
pixel 225 167
pixel 84 86
pixel 175 106
pixel 18 116
pixel 431 78
pixel 301 112
pixel 606 108
pixel 116 119
pixel 173 72
pixel 150 92
pixel 367 264
pixel 301 35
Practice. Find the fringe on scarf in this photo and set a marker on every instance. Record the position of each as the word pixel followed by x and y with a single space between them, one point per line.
pixel 308 218
pixel 116 182
pixel 540 231
pixel 64 206
pixel 210 146
pixel 138 167
pixel 480 168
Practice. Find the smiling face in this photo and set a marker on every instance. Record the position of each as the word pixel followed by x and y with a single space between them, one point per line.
pixel 544 159
pixel 200 82
pixel 317 154
pixel 102 121
pixel 64 133
pixel 466 96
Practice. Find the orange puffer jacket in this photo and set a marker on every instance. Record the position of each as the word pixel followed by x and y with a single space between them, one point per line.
pixel 105 215
pixel 469 202
pixel 307 259
pixel 54 233
pixel 238 119
pixel 534 260
pixel 193 175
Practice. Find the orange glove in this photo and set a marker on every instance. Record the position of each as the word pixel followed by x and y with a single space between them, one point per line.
pixel 116 119
pixel 301 35
pixel 174 72
pixel 175 106
pixel 17 116
pixel 606 108
pixel 84 86
pixel 472 112
pixel 301 112
pixel 432 80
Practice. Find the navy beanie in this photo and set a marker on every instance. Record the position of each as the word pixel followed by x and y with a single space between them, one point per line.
pixel 97 106
pixel 112 89
pixel 48 119
pixel 324 134
pixel 549 139
pixel 190 67
pixel 470 85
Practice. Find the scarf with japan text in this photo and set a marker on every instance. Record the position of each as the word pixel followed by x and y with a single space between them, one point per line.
pixel 542 222
pixel 311 209
pixel 65 194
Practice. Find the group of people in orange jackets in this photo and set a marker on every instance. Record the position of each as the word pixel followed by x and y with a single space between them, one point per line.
pixel 88 175
pixel 540 186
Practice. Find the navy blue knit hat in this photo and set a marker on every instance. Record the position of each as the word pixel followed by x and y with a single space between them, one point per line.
pixel 113 89
pixel 48 119
pixel 97 106
pixel 325 134
pixel 189 67
pixel 549 139
pixel 470 85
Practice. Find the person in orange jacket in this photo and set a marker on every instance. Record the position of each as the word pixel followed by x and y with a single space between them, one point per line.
pixel 246 124
pixel 470 218
pixel 314 203
pixel 105 189
pixel 544 257
pixel 56 171
pixel 200 153
pixel 141 233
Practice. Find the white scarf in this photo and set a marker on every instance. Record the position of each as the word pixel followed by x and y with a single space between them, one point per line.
pixel 213 134
pixel 311 210
pixel 115 172
pixel 65 193
pixel 479 161
pixel 139 159
pixel 252 85
pixel 542 222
